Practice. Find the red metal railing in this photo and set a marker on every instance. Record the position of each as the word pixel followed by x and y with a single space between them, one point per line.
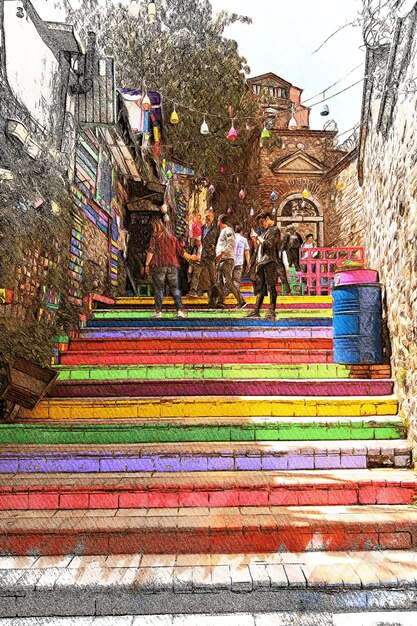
pixel 320 264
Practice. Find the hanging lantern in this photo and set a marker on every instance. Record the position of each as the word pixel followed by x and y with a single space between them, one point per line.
pixel 274 210
pixel 292 124
pixel 242 194
pixel 212 189
pixel 146 103
pixel 229 210
pixel 151 12
pixel 305 193
pixel 251 212
pixel 232 136
pixel 164 209
pixel 274 196
pixel 325 110
pixel 265 133
pixel 174 119
pixel 169 174
pixel 204 129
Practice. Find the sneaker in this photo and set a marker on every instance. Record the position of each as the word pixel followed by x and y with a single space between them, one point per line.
pixel 219 305
pixel 255 314
pixel 192 294
pixel 241 305
pixel 157 315
pixel 181 313
pixel 271 316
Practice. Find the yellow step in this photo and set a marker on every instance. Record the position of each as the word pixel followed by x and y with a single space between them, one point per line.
pixel 213 406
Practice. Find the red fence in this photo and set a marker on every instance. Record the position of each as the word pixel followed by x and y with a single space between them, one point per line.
pixel 319 266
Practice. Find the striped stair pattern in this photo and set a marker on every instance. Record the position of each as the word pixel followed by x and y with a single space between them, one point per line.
pixel 210 434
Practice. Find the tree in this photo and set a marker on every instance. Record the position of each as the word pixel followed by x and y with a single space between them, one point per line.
pixel 187 57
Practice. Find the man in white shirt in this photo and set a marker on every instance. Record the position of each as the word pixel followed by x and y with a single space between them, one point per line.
pixel 225 257
pixel 241 253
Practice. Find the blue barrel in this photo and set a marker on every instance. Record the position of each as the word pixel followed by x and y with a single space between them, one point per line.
pixel 357 311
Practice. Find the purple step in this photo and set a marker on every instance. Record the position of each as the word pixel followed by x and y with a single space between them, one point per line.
pixel 211 457
pixel 325 332
pixel 219 387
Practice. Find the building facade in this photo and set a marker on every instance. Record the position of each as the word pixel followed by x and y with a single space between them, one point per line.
pixel 287 172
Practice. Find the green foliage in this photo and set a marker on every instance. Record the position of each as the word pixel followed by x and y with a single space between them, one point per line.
pixel 26 231
pixel 186 56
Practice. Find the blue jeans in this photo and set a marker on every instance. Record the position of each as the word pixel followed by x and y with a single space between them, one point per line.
pixel 159 275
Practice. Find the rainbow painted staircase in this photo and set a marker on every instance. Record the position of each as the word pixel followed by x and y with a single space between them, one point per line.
pixel 212 435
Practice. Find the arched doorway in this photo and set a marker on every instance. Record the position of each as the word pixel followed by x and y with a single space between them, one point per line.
pixel 305 214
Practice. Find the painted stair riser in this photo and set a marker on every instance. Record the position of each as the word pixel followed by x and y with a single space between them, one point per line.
pixel 204 344
pixel 77 462
pixel 192 314
pixel 197 334
pixel 201 371
pixel 213 406
pixel 230 304
pixel 50 434
pixel 174 388
pixel 217 322
pixel 282 301
pixel 193 358
pixel 96 497
pixel 223 538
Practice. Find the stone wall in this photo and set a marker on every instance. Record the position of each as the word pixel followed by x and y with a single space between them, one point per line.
pixel 386 218
pixel 345 221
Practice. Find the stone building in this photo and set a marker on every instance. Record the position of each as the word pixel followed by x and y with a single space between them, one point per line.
pixel 295 159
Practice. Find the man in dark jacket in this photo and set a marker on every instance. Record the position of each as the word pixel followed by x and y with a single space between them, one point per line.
pixel 268 264
pixel 210 234
pixel 292 244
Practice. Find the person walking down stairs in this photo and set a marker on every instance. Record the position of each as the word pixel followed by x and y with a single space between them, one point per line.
pixel 225 257
pixel 268 265
pixel 162 262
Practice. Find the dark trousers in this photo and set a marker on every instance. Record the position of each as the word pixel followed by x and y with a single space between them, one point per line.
pixel 225 284
pixel 206 264
pixel 170 274
pixel 266 281
pixel 293 256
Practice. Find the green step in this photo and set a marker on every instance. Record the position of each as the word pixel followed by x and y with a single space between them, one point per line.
pixel 117 314
pixel 183 430
pixel 227 371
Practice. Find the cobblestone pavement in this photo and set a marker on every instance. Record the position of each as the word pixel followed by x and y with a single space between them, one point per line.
pixel 237 619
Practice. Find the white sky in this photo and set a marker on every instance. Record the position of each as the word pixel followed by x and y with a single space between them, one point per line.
pixel 281 39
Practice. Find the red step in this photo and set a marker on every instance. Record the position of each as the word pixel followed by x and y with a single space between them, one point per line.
pixel 208 489
pixel 213 531
pixel 204 343
pixel 189 357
